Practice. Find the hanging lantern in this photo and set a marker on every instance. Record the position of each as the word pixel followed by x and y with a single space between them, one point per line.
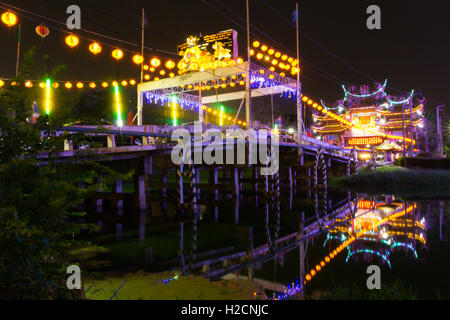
pixel 42 31
pixel 68 85
pixel 9 18
pixel 117 54
pixel 138 59
pixel 72 41
pixel 95 48
pixel 170 64
pixel 28 84
pixel 92 85
pixel 155 62
pixel 2 83
pixel 80 85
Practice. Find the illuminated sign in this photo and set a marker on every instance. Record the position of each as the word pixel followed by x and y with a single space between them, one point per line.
pixel 228 39
pixel 208 52
pixel 365 204
pixel 363 120
pixel 362 141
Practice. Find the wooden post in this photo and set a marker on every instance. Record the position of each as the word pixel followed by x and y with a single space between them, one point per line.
pixel 236 211
pixel 236 182
pixel 148 165
pixel 183 264
pixel 241 176
pixel 68 146
pixel 301 249
pixel 142 205
pixel 197 180
pixel 99 202
pixel 291 182
pixel 216 192
pixel 251 269
pixel 164 181
pixel 111 141
pixel 255 176
pixel 118 189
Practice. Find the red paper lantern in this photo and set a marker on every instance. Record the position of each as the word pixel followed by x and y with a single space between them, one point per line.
pixel 42 30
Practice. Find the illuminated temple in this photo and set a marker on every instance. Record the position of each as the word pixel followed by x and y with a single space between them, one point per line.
pixel 370 118
pixel 380 229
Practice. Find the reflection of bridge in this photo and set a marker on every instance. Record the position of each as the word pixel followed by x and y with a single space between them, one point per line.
pixel 202 184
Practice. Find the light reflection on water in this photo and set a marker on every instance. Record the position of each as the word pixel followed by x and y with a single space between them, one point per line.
pixel 344 233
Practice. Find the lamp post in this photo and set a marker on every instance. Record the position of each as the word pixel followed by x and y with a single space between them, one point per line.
pixel 440 142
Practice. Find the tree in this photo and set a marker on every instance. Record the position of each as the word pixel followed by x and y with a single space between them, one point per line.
pixel 39 197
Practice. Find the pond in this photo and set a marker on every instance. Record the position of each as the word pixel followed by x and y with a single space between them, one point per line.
pixel 332 236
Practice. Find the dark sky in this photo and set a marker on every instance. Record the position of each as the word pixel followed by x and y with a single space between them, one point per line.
pixel 411 50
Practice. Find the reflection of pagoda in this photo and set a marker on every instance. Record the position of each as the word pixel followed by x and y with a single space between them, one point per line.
pixel 374 115
pixel 382 228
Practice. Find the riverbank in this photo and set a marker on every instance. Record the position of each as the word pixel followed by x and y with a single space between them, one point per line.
pixel 169 286
pixel 397 180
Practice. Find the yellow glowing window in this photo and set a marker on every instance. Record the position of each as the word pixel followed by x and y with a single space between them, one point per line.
pixel 364 120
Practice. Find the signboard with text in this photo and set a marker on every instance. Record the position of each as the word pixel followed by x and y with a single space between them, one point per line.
pixel 227 38
pixel 364 141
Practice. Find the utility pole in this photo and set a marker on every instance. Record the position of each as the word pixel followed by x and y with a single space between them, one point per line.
pixel 248 85
pixel 439 128
pixel 18 52
pixel 140 95
pixel 299 92
pixel 142 43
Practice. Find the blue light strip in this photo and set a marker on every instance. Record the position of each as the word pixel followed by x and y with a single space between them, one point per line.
pixel 370 251
pixel 401 102
pixel 291 291
pixel 409 246
pixel 347 93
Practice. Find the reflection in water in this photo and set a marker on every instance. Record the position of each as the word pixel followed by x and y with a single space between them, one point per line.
pixel 376 229
pixel 368 229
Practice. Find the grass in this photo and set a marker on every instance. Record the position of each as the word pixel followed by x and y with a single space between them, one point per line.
pixel 398 179
pixel 394 291
pixel 150 286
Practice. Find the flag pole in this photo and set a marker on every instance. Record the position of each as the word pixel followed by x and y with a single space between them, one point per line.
pixel 142 44
pixel 139 93
pixel 299 93
pixel 18 53
pixel 248 85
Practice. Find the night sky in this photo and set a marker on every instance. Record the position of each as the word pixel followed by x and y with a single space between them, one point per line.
pixel 411 50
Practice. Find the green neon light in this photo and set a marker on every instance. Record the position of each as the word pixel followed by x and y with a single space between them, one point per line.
pixel 221 115
pixel 47 99
pixel 119 115
pixel 174 106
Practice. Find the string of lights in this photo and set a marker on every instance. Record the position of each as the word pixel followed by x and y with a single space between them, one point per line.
pixel 313 272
